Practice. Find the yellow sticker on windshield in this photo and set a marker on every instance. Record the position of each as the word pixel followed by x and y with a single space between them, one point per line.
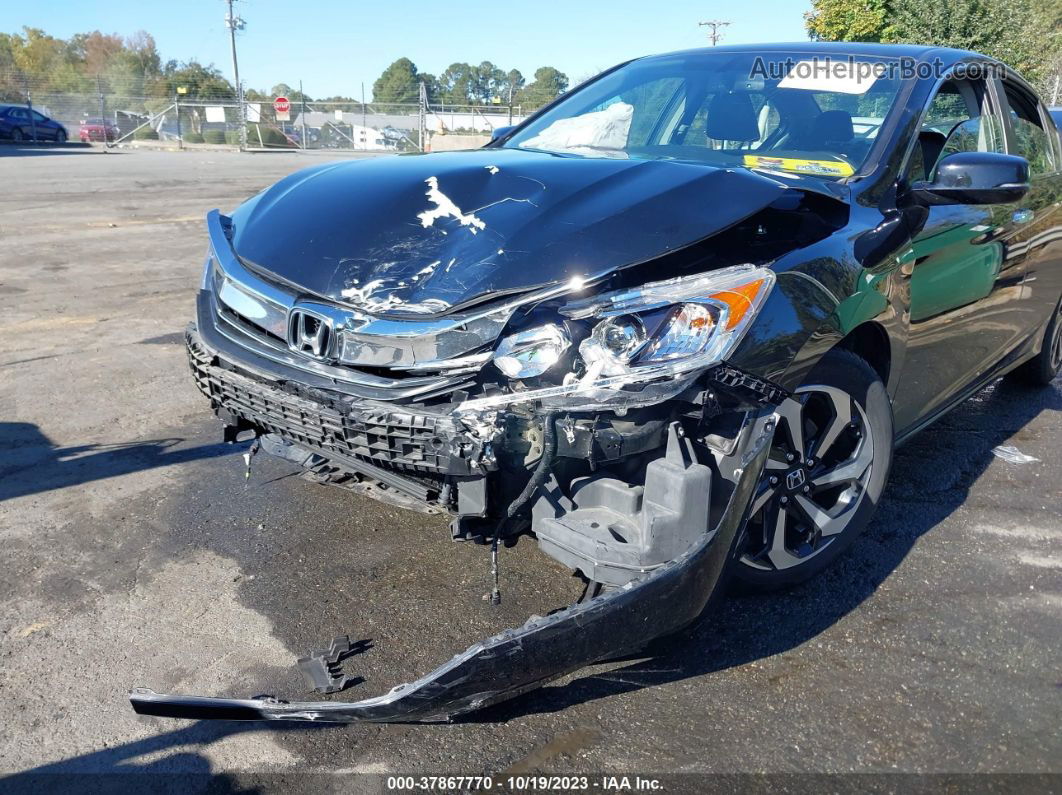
pixel 822 168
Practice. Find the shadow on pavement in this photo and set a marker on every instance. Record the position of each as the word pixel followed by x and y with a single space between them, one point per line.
pixel 30 149
pixel 33 464
pixel 173 763
pixel 930 479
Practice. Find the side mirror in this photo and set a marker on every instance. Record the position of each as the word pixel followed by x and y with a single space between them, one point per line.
pixel 501 132
pixel 975 178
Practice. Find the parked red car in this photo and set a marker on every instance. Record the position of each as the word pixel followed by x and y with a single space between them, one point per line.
pixel 97 130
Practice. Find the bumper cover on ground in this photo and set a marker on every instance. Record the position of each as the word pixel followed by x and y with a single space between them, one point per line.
pixel 543 649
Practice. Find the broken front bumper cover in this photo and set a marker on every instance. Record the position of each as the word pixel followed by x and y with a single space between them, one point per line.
pixel 544 648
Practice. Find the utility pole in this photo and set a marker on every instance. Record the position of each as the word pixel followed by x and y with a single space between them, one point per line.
pixel 29 107
pixel 422 100
pixel 103 119
pixel 177 112
pixel 302 116
pixel 234 23
pixel 714 24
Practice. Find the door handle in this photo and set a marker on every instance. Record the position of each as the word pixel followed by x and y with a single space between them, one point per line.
pixel 1023 216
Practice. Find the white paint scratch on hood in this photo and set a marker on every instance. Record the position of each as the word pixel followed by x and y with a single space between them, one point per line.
pixel 428 306
pixel 369 296
pixel 360 294
pixel 378 296
pixel 445 208
pixel 428 271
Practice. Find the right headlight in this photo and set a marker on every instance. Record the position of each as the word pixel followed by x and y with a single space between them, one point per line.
pixel 660 332
pixel 666 328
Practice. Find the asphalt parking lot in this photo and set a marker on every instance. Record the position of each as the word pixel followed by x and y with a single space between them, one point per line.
pixel 136 554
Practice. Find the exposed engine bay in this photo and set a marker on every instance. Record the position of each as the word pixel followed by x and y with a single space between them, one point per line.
pixel 548 413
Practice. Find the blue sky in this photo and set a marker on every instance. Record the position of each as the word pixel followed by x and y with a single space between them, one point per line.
pixel 335 45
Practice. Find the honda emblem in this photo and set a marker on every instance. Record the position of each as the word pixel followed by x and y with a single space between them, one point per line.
pixel 310 334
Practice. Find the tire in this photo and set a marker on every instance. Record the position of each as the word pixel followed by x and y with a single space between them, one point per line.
pixel 822 485
pixel 1041 370
pixel 60 136
pixel 16 135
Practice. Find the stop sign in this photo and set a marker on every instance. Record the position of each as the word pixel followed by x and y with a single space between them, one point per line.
pixel 281 105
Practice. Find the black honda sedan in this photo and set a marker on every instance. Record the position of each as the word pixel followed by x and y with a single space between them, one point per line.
pixel 670 328
pixel 20 123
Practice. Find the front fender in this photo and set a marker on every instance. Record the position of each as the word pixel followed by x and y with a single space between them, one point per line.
pixel 797 323
pixel 807 315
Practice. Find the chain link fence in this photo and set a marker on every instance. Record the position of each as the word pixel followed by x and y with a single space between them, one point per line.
pixel 116 113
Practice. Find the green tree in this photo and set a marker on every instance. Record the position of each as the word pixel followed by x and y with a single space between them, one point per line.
pixel 141 55
pixel 94 50
pixel 456 84
pixel 431 85
pixel 965 24
pixel 549 83
pixel 293 94
pixel 486 82
pixel 202 82
pixel 1024 34
pixel 1009 30
pixel 511 86
pixel 848 20
pixel 36 53
pixel 36 63
pixel 398 83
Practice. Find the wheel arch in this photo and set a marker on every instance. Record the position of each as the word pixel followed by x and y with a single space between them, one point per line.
pixel 871 342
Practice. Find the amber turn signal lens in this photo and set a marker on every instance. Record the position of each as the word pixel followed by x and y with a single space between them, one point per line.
pixel 739 300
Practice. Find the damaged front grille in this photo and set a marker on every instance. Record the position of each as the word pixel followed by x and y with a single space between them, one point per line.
pixel 420 444
pixel 369 356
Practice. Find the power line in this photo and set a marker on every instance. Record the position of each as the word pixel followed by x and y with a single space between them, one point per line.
pixel 714 24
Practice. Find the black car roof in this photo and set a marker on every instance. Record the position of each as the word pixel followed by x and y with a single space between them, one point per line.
pixel 834 49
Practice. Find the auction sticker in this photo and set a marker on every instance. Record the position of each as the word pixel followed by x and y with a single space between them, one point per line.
pixel 822 168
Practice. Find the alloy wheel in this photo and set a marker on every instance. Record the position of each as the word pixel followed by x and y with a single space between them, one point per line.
pixel 815 479
pixel 1056 341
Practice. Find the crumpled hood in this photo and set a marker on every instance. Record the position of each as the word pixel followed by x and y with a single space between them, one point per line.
pixel 423 234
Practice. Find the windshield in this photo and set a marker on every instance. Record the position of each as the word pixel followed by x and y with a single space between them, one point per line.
pixel 794 112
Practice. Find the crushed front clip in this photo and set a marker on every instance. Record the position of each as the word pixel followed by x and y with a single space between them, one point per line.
pixel 517 660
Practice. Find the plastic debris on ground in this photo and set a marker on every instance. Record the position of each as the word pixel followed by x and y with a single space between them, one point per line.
pixel 1012 455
